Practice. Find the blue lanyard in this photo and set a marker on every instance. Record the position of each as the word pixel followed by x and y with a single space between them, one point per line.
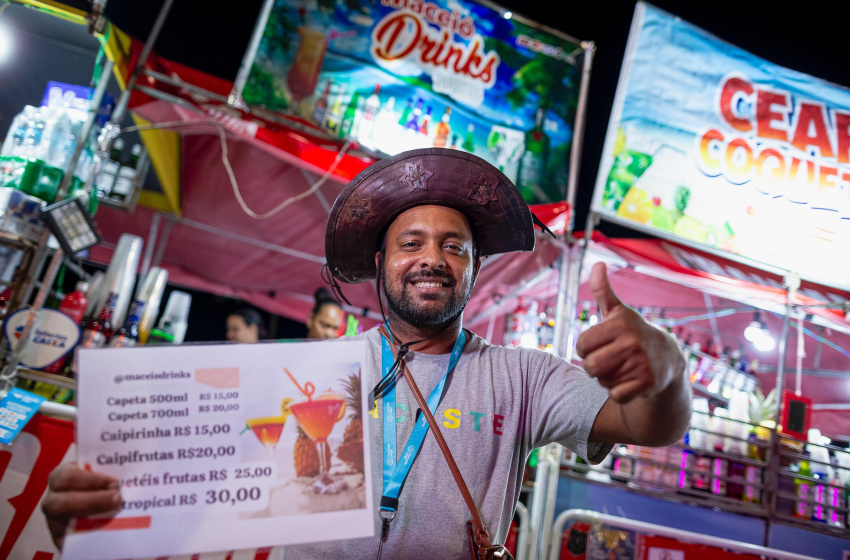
pixel 396 473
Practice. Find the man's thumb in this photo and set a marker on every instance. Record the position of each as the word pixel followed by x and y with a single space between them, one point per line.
pixel 601 288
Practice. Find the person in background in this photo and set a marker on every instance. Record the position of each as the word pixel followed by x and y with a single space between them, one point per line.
pixel 326 318
pixel 245 325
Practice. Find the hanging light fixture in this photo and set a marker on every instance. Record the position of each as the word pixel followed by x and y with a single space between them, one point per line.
pixel 758 334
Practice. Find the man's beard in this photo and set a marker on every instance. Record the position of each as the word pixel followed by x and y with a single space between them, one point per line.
pixel 403 305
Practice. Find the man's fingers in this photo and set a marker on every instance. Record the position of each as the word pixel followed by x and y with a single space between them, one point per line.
pixel 607 359
pixel 602 291
pixel 596 337
pixel 66 505
pixel 71 477
pixel 628 390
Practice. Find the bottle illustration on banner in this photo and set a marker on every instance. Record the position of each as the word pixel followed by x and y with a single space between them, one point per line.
pixel 322 105
pixel 350 116
pixel 468 142
pixel 405 114
pixel 426 120
pixel 455 138
pixel 333 117
pixel 413 121
pixel 384 133
pixel 441 136
pixel 532 165
pixel 369 116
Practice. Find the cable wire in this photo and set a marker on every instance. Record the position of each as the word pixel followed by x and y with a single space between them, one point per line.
pixel 225 159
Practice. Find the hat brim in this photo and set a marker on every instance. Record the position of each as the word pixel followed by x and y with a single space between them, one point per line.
pixel 452 178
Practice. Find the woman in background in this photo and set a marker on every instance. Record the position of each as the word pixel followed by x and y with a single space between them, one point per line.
pixel 326 318
pixel 245 325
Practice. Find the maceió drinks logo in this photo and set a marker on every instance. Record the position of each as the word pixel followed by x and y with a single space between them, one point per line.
pixel 460 70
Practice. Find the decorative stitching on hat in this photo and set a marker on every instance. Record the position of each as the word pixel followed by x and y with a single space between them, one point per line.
pixel 359 210
pixel 415 175
pixel 484 189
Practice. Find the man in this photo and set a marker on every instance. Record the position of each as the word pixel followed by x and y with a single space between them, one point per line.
pixel 245 325
pixel 420 222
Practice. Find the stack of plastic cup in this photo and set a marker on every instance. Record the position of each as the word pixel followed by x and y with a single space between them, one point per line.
pixel 150 293
pixel 120 276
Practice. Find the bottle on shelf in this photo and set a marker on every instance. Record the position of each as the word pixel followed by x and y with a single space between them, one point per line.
pixel 514 324
pixel 128 335
pixel 74 306
pixel 802 510
pixel 719 467
pixel 172 325
pixel 123 186
pixel 531 324
pixel 105 181
pixel 98 331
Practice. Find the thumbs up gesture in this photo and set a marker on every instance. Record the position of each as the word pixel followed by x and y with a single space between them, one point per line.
pixel 627 355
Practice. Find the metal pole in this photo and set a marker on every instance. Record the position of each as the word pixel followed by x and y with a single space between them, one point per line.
pixel 121 106
pixel 85 131
pixel 160 250
pixel 149 246
pixel 578 132
pixel 235 98
pixel 773 465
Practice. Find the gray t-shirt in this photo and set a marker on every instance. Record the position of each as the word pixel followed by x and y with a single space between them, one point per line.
pixel 498 405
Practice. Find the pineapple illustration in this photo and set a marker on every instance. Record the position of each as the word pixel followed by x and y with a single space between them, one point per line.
pixel 681 200
pixel 306 456
pixel 351 450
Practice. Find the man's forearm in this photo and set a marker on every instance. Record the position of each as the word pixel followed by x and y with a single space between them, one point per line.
pixel 661 419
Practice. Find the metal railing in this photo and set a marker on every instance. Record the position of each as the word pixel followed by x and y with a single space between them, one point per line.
pixel 594 518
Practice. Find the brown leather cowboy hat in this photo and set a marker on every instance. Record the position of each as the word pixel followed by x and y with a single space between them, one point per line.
pixel 365 208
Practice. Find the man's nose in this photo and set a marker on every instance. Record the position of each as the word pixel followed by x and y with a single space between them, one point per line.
pixel 433 257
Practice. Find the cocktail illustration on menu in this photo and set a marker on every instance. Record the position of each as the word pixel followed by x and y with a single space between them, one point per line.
pixel 317 417
pixel 268 428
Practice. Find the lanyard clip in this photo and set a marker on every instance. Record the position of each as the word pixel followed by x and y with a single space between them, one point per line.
pixel 386 516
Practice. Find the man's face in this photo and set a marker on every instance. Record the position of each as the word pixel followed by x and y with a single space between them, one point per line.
pixel 239 331
pixel 428 269
pixel 325 322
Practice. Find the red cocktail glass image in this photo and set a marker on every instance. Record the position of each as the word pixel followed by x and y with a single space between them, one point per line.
pixel 317 418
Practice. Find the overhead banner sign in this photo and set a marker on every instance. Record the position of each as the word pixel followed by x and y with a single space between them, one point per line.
pixel 715 147
pixel 395 75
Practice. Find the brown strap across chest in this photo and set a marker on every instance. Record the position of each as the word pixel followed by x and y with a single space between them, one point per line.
pixel 481 534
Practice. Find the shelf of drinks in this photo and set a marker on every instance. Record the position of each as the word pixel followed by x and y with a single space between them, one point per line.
pixel 675 493
pixel 707 371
